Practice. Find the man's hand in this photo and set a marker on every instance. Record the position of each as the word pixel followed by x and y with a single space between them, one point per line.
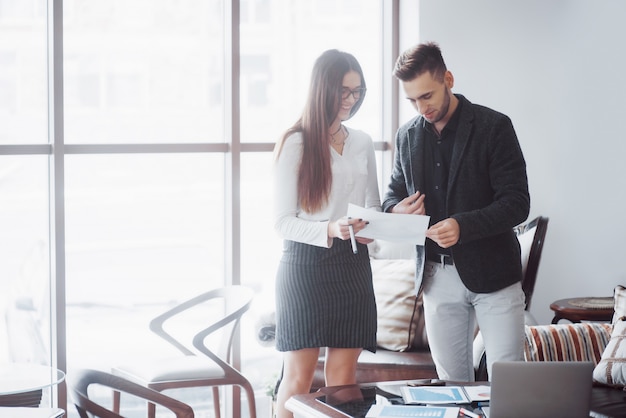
pixel 445 233
pixel 412 205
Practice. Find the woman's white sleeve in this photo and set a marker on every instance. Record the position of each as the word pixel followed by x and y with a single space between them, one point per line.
pixel 286 209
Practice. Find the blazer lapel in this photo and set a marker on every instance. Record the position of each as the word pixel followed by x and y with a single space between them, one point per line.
pixel 416 158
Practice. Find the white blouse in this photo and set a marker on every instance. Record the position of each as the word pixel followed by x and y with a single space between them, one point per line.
pixel 354 180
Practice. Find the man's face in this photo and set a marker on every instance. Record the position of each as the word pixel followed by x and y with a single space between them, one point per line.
pixel 430 97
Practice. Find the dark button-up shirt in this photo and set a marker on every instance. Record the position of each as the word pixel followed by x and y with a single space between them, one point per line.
pixel 438 150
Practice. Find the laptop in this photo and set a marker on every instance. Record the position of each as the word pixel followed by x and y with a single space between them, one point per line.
pixel 540 389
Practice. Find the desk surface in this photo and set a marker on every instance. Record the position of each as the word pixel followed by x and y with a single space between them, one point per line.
pixel 315 405
pixel 21 378
pixel 604 401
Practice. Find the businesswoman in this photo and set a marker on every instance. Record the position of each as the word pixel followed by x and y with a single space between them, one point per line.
pixel 324 293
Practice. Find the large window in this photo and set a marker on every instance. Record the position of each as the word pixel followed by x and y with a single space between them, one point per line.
pixel 23 72
pixel 24 264
pixel 143 71
pixel 158 185
pixel 279 42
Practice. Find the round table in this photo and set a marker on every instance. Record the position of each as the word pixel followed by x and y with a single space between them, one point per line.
pixel 22 384
pixel 586 308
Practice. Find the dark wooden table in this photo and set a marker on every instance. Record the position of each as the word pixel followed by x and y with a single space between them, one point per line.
pixel 587 308
pixel 318 405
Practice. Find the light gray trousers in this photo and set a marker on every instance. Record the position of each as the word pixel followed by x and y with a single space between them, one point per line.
pixel 451 312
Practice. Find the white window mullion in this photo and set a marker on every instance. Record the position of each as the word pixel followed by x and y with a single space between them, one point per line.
pixel 56 181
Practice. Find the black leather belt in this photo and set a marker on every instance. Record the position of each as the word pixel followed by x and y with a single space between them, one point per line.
pixel 441 259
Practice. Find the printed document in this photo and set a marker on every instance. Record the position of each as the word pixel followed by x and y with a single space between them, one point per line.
pixel 395 227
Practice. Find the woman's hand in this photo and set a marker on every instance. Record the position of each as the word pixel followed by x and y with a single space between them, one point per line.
pixel 340 229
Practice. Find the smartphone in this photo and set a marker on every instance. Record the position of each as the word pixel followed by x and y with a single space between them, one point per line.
pixel 427 382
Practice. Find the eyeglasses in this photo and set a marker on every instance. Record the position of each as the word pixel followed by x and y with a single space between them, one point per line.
pixel 356 93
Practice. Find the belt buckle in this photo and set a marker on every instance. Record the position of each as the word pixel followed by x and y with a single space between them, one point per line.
pixel 442 258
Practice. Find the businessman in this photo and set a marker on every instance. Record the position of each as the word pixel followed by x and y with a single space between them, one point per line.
pixel 461 164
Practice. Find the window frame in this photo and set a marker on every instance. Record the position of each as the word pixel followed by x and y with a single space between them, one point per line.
pixel 232 149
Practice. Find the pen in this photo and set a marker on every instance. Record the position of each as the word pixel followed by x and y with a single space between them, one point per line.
pixel 352 239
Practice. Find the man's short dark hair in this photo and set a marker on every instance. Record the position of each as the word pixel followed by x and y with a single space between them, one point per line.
pixel 422 58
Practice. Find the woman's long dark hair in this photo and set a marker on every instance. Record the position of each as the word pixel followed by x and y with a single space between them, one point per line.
pixel 321 109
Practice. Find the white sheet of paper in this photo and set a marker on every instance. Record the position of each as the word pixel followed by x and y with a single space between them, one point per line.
pixel 391 226
pixel 478 393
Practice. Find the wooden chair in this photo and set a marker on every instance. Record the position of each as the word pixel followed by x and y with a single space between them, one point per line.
pixel 80 382
pixel 531 236
pixel 199 365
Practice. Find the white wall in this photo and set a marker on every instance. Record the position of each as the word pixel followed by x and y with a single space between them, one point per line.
pixel 555 67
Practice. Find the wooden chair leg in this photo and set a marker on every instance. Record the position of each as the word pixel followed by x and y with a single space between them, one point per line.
pixel 251 400
pixel 116 401
pixel 216 402
pixel 151 410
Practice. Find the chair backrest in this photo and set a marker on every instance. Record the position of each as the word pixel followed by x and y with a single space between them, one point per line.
pixel 80 381
pixel 233 302
pixel 531 236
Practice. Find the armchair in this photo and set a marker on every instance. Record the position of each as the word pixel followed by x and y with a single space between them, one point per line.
pixel 81 381
pixel 531 236
pixel 199 365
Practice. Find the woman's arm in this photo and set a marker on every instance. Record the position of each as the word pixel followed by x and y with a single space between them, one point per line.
pixel 287 221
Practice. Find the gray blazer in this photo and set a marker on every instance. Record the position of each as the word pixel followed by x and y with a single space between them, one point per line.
pixel 487 194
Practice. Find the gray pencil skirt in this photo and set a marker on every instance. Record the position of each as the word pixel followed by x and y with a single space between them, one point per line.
pixel 325 297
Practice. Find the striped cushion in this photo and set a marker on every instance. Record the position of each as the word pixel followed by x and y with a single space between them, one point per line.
pixel 567 342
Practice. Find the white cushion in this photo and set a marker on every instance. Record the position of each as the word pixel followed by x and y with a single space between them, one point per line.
pixel 619 295
pixel 525 242
pixel 612 367
pixel 170 369
pixel 399 310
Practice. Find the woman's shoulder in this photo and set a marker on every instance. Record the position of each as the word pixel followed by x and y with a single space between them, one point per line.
pixel 293 142
pixel 294 138
pixel 290 151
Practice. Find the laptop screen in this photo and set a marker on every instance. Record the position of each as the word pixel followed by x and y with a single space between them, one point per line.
pixel 540 389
